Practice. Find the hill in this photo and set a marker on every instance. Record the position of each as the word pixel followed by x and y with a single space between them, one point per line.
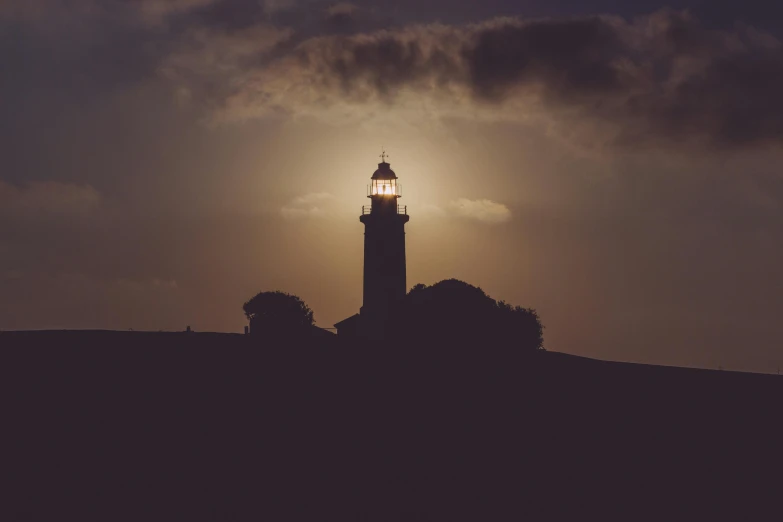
pixel 129 426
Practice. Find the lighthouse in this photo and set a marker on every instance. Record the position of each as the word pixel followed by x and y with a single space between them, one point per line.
pixel 384 255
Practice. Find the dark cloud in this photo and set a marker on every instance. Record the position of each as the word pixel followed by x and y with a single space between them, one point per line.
pixel 660 78
pixel 734 100
pixel 229 14
pixel 663 78
pixel 571 59
pixel 383 65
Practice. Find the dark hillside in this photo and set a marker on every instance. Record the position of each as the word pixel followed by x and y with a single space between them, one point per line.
pixel 127 426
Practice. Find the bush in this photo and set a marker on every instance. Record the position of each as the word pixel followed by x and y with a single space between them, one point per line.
pixel 454 314
pixel 278 313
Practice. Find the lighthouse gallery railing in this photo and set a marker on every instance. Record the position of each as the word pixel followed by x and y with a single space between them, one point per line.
pixel 401 209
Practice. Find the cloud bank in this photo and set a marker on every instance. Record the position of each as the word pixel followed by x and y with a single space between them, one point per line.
pixel 663 79
pixel 659 78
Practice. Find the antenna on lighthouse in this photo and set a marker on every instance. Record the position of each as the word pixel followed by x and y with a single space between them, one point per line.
pixel 383 155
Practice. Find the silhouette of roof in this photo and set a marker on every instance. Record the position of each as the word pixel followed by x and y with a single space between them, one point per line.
pixel 347 322
pixel 322 333
pixel 384 172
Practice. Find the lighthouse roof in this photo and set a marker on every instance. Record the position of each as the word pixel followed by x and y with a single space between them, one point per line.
pixel 384 172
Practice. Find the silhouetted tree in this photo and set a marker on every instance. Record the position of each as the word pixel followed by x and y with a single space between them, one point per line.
pixel 521 325
pixel 278 312
pixel 453 314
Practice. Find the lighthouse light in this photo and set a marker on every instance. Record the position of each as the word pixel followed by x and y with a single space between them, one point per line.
pixel 384 188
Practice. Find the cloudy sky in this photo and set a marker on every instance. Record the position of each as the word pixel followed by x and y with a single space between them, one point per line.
pixel 615 165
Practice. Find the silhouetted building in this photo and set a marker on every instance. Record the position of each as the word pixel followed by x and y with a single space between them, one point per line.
pixel 348 328
pixel 384 255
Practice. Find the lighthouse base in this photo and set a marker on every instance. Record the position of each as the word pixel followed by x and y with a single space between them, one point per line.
pixel 365 326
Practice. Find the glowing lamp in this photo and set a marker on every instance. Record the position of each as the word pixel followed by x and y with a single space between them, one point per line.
pixel 384 187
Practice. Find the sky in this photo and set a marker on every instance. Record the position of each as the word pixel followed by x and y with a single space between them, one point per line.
pixel 614 165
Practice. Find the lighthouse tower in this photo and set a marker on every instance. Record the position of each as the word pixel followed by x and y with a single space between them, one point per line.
pixel 384 243
pixel 384 255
